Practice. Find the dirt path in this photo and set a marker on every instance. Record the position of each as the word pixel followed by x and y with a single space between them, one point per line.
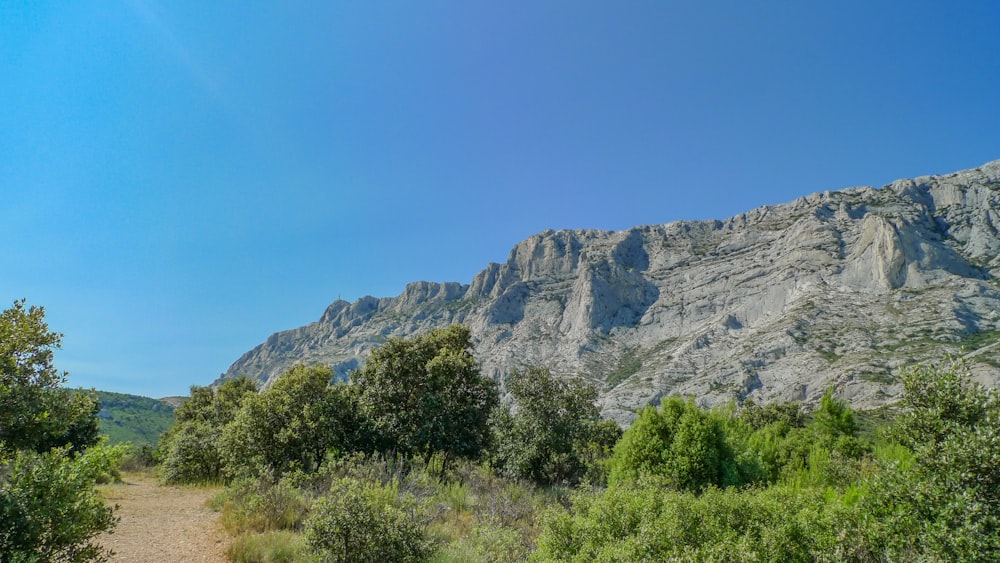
pixel 163 523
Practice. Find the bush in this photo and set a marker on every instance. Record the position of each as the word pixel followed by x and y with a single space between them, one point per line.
pixel 190 449
pixel 49 509
pixel 138 458
pixel 262 505
pixel 360 521
pixel 679 443
pixel 293 424
pixel 426 395
pixel 650 523
pixel 488 543
pixel 942 501
pixel 192 454
pixel 554 435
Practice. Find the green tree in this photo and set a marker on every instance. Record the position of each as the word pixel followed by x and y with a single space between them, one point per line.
pixel 943 503
pixel 49 509
pixel 679 443
pixel 553 431
pixel 35 411
pixel 293 424
pixel 426 395
pixel 189 451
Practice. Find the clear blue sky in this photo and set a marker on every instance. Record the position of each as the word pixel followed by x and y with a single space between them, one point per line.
pixel 181 179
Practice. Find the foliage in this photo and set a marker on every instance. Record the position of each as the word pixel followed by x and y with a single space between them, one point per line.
pixel 360 521
pixel 49 509
pixel 467 510
pixel 138 458
pixel 192 455
pixel 293 424
pixel 189 450
pixel 554 423
pixel 943 501
pixel 822 448
pixel 759 417
pixel 35 411
pixel 131 418
pixel 426 395
pixel 486 543
pixel 679 443
pixel 648 522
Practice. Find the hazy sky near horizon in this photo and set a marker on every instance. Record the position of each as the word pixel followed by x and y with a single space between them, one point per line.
pixel 181 179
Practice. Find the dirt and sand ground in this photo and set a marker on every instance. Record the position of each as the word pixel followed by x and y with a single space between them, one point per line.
pixel 163 524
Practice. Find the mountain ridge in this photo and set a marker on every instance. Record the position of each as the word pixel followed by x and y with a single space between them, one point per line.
pixel 838 288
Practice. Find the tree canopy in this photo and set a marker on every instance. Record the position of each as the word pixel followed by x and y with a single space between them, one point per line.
pixel 49 510
pixel 552 430
pixel 294 423
pixel 426 394
pixel 36 412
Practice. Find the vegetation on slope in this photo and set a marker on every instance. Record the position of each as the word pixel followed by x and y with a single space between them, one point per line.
pixel 131 418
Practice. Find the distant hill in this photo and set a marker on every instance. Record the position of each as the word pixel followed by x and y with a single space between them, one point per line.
pixel 837 289
pixel 131 418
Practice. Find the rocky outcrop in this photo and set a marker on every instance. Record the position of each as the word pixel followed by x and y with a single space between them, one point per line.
pixel 835 289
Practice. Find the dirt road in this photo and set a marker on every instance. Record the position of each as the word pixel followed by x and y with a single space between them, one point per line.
pixel 160 524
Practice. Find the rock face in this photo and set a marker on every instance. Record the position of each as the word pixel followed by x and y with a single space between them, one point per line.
pixel 835 289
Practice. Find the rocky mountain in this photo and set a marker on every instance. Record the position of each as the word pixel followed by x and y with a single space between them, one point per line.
pixel 838 288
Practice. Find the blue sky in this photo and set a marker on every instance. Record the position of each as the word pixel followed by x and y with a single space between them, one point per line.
pixel 181 179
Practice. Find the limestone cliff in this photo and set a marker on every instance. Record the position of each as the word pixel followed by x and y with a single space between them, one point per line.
pixel 840 288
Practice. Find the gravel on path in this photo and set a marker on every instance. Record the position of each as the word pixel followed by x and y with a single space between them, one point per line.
pixel 163 523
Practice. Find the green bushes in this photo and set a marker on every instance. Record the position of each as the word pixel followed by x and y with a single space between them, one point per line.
pixel 681 444
pixel 931 492
pixel 360 521
pixel 292 425
pixel 555 435
pixel 49 457
pixel 384 468
pixel 190 450
pixel 649 522
pixel 192 454
pixel 426 395
pixel 943 503
pixel 49 509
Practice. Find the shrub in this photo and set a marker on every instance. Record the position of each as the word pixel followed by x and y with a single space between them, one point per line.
pixel 649 523
pixel 190 449
pixel 262 505
pixel 192 454
pixel 49 509
pixel 554 435
pixel 360 521
pixel 426 395
pixel 941 499
pixel 293 424
pixel 679 443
